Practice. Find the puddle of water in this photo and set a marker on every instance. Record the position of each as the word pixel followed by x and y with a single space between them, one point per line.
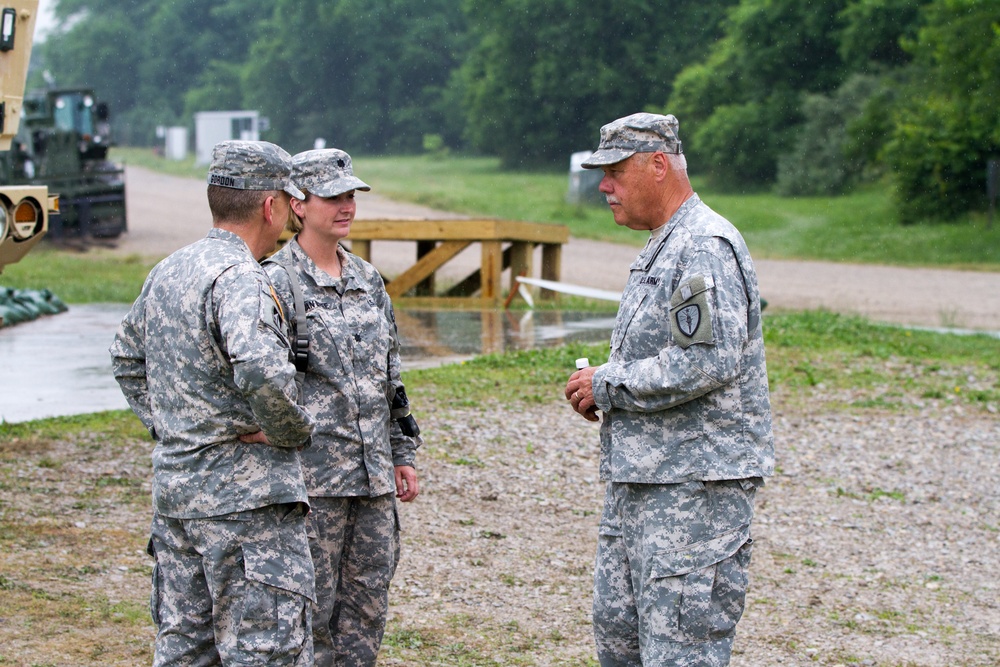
pixel 432 337
pixel 58 365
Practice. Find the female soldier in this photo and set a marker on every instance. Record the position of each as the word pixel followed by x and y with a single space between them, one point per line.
pixel 364 446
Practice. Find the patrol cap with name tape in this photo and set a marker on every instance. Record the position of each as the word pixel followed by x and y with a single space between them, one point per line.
pixel 638 133
pixel 325 172
pixel 252 165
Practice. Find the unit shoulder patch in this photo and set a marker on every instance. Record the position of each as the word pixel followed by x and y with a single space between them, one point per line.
pixel 690 312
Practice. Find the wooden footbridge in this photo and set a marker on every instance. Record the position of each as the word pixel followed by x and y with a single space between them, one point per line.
pixel 506 245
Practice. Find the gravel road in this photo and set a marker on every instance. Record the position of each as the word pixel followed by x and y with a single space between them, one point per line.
pixel 166 213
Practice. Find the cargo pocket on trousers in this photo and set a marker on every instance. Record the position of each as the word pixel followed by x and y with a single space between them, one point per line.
pixel 397 528
pixel 698 592
pixel 274 619
pixel 154 590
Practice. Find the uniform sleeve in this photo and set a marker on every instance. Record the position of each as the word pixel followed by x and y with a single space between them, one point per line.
pixel 404 447
pixel 128 362
pixel 282 288
pixel 706 332
pixel 253 333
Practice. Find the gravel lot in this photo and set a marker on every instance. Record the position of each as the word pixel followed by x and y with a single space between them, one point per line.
pixel 877 543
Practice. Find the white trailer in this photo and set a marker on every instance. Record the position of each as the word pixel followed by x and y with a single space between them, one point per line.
pixel 211 127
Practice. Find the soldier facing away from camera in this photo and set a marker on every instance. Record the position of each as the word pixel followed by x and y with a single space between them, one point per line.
pixel 203 358
pixel 686 432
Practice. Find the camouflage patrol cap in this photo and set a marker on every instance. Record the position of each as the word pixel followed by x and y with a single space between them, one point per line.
pixel 325 172
pixel 638 133
pixel 252 165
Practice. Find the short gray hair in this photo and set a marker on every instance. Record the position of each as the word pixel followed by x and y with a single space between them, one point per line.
pixel 677 161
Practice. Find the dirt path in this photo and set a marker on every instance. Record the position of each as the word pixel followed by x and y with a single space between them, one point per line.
pixel 167 212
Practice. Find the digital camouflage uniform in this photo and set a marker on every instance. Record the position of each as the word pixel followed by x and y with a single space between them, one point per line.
pixel 353 373
pixel 203 357
pixel 685 441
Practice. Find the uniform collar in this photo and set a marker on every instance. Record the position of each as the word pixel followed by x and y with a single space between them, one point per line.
pixel 348 272
pixel 657 241
pixel 228 237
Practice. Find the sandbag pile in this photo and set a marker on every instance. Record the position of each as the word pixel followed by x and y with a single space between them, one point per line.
pixel 20 305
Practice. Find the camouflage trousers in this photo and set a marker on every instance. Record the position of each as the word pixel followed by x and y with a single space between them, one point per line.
pixel 355 548
pixel 233 589
pixel 670 579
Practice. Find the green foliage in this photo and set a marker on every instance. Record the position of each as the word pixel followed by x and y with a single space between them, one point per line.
pixel 700 89
pixel 819 163
pixel 938 156
pixel 742 104
pixel 918 107
pixel 218 86
pixel 530 376
pixel 873 31
pixel 740 143
pixel 143 57
pixel 947 123
pixel 882 366
pixel 434 144
pixel 763 88
pixel 367 75
pixel 786 45
pixel 866 133
pixel 112 425
pixel 544 75
pixel 860 227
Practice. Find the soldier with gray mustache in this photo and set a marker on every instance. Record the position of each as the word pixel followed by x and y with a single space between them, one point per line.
pixel 686 430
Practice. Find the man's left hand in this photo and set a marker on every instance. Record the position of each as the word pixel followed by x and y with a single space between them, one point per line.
pixel 580 393
pixel 407 487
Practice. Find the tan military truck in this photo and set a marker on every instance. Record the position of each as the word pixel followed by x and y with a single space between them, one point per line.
pixel 24 209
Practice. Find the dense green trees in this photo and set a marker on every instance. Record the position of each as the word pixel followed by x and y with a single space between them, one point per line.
pixel 816 95
pixel 808 96
pixel 947 118
pixel 542 76
pixel 743 106
pixel 146 58
pixel 367 75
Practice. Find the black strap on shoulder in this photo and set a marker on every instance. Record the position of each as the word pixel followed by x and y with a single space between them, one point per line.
pixel 300 336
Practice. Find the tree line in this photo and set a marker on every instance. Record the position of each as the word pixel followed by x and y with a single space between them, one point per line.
pixel 802 96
